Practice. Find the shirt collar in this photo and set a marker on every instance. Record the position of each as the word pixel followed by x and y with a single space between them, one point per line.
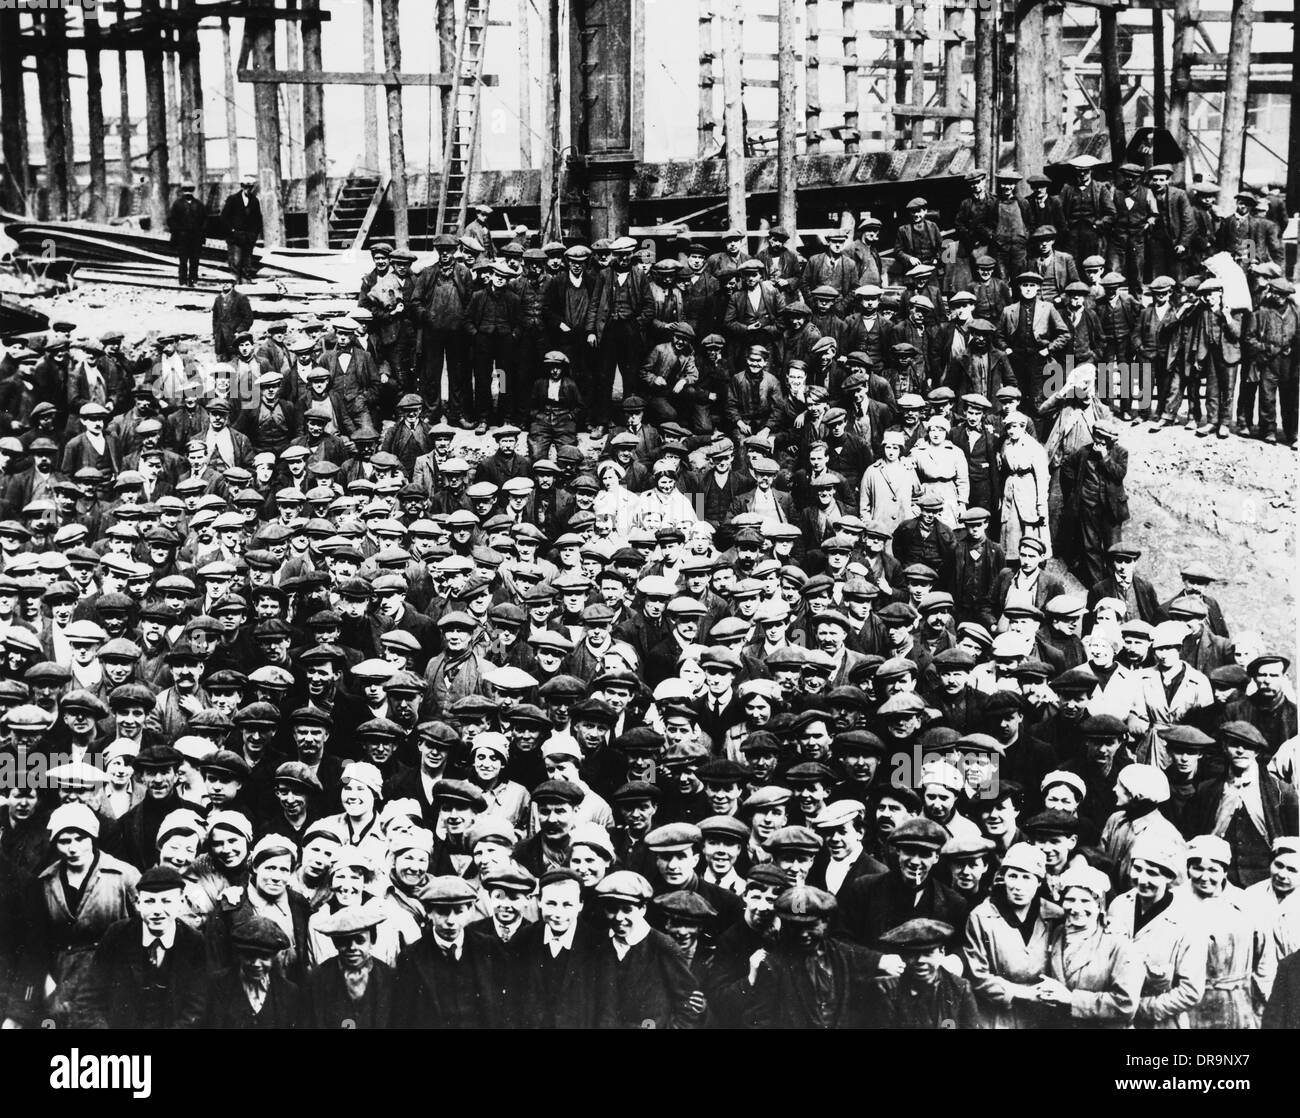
pixel 168 937
pixel 636 937
pixel 565 941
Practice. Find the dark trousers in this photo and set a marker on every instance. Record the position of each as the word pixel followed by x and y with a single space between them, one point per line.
pixel 1096 535
pixel 1162 260
pixel 439 349
pixel 239 259
pixel 489 350
pixel 554 427
pixel 620 346
pixel 1128 257
pixel 187 261
pixel 1250 390
pixel 1028 368
pixel 1163 377
pixel 1185 383
pixel 1010 260
pixel 1086 240
pixel 405 353
pixel 1288 393
pixel 1220 387
pixel 1268 369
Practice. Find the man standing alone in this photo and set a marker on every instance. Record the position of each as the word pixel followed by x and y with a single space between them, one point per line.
pixel 185 222
pixel 241 219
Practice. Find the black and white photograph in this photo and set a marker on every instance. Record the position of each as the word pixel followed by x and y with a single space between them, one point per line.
pixel 706 515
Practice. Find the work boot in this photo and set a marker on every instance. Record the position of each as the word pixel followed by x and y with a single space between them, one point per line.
pixel 1191 424
pixel 1270 438
pixel 1201 432
pixel 1221 432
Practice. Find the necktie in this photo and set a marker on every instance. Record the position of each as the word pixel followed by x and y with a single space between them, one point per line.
pixel 156 953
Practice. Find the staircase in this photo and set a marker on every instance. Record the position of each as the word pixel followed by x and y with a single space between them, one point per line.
pixel 461 145
pixel 355 208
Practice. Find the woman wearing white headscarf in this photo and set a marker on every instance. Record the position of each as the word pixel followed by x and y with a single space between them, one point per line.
pixel 1007 938
pixel 1094 977
pixel 1221 914
pixel 1139 792
pixel 1166 931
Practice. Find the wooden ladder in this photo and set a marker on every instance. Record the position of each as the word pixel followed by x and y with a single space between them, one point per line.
pixel 461 142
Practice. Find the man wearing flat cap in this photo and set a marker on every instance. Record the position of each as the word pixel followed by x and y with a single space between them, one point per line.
pixel 644 979
pixel 352 989
pixel 253 993
pixel 871 906
pixel 241 224
pixel 752 316
pixel 1267 706
pixel 447 979
pixel 807 979
pixel 1247 806
pixel 926 995
pixel 149 971
pixel 616 328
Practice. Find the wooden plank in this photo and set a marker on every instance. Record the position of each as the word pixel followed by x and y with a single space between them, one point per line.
pixel 917 36
pixel 1220 15
pixel 1257 85
pixel 352 77
pixel 925 112
pixel 1257 58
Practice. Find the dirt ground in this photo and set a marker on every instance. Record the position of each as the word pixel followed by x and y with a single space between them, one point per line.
pixel 1229 503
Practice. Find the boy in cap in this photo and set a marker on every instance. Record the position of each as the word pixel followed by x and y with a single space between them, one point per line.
pixel 351 989
pixel 926 995
pixel 808 979
pixel 647 983
pixel 149 971
pixel 253 993
pixel 447 979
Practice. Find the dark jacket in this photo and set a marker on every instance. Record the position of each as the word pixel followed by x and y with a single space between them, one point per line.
pixel 123 991
pixel 647 989
pixel 242 221
pixel 186 221
pixel 555 993
pixel 601 307
pixel 228 1006
pixel 434 992
pixel 1114 500
pixel 329 1006
pixel 1283 1008
pixel 950 1004
pixel 785 998
pixel 871 906
pixel 1148 604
